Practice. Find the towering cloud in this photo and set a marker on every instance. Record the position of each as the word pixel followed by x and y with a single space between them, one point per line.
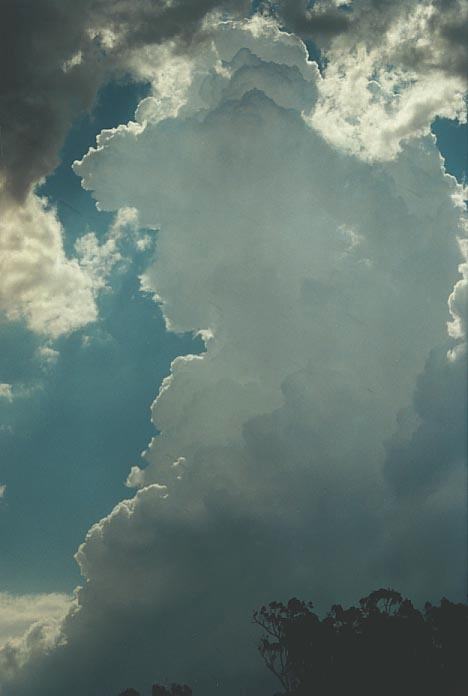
pixel 291 457
pixel 61 52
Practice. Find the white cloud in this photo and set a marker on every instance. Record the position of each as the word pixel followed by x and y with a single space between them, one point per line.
pixel 30 628
pixel 320 283
pixel 19 612
pixel 38 283
pixel 6 392
pixel 48 355
pixel 97 259
pixel 458 306
pixel 387 80
pixel 53 293
pixel 2 490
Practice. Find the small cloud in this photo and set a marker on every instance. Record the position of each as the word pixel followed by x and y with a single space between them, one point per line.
pixel 48 356
pixel 6 392
pixel 97 259
pixel 2 490
pixel 75 60
pixel 144 243
pixel 126 220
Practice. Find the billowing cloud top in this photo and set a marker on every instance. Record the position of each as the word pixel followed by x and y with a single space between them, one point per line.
pixel 392 68
pixel 296 455
pixel 61 52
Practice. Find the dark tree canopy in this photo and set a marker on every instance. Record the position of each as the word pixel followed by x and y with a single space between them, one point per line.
pixel 384 646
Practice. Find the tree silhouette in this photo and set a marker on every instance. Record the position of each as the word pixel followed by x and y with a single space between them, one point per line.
pixel 384 646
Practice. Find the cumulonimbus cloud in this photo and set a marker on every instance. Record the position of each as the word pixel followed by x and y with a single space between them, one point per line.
pixel 319 282
pixel 61 54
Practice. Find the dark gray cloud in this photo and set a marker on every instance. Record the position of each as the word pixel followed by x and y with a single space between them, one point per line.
pixel 423 460
pixel 300 18
pixel 426 468
pixel 446 27
pixel 451 27
pixel 38 99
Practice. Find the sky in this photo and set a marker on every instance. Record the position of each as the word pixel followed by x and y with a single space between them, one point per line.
pixel 81 416
pixel 233 320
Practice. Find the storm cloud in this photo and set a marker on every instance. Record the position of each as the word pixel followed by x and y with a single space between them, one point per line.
pixel 291 455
